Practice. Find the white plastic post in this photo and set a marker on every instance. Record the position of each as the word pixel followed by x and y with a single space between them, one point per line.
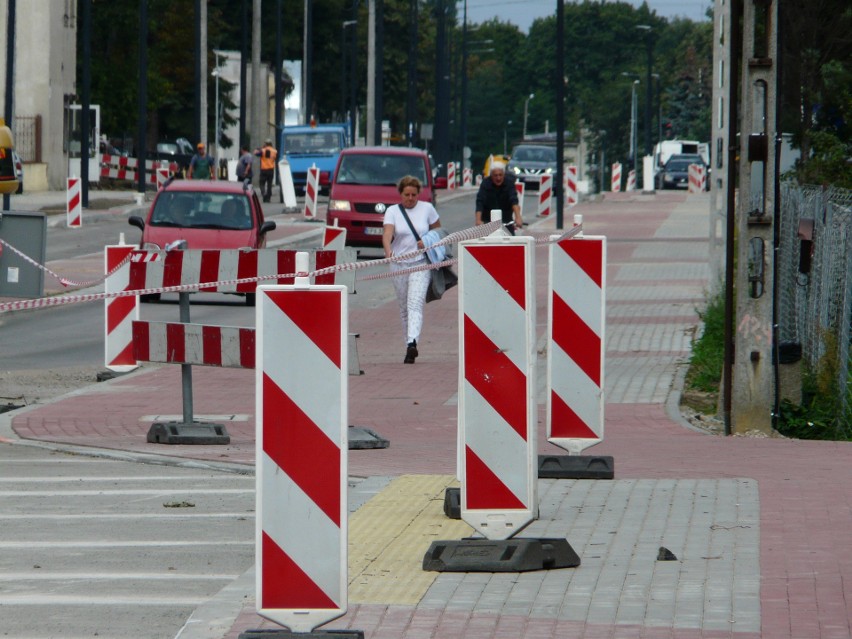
pixel 302 453
pixel 497 389
pixel 576 342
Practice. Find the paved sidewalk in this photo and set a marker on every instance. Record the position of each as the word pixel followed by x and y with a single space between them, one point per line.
pixel 759 526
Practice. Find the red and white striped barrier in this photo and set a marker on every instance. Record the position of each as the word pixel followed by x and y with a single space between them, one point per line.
pixel 162 177
pixel 122 168
pixel 497 390
pixel 697 179
pixel 520 188
pixel 616 177
pixel 302 513
pixel 451 176
pixel 74 203
pixel 576 332
pixel 570 184
pixel 334 237
pixel 479 179
pixel 312 192
pixel 467 177
pixel 119 312
pixel 221 269
pixel 198 344
pixel 631 180
pixel 545 194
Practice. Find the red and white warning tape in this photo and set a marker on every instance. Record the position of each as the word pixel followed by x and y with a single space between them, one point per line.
pixel 452 238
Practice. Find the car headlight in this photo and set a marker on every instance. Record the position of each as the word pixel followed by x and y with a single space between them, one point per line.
pixel 517 170
pixel 339 205
pixel 548 170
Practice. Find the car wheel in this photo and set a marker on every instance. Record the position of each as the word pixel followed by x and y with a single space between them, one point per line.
pixel 151 297
pixel 251 299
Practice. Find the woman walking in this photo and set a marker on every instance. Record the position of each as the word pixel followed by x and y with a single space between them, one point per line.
pixel 404 226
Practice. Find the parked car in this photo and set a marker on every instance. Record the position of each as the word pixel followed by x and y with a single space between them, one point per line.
pixel 675 172
pixel 364 186
pixel 204 214
pixel 530 161
pixel 180 151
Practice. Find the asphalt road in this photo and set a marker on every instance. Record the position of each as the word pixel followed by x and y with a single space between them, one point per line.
pixel 72 335
pixel 99 547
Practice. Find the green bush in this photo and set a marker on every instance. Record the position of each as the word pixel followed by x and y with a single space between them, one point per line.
pixel 708 352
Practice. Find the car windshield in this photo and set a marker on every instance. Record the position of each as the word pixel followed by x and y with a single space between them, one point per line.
pixel 534 154
pixel 202 211
pixel 379 169
pixel 305 143
pixel 681 165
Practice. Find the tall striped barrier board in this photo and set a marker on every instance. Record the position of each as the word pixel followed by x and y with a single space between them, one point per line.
pixel 576 344
pixel 119 312
pixel 301 530
pixel 497 408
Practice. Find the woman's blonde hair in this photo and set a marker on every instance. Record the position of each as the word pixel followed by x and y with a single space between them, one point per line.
pixel 408 180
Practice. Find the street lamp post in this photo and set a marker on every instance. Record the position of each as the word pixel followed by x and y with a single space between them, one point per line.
pixel 526 113
pixel 634 134
pixel 505 144
pixel 659 80
pixel 649 42
pixel 602 171
pixel 217 134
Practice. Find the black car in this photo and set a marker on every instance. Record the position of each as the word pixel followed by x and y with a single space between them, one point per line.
pixel 675 173
pixel 530 161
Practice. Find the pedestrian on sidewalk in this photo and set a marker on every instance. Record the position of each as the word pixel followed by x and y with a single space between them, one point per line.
pixel 498 192
pixel 404 226
pixel 268 155
pixel 244 164
pixel 201 166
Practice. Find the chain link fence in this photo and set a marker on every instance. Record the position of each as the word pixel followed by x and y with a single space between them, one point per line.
pixel 815 278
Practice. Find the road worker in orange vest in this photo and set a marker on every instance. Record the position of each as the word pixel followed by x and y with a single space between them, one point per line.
pixel 268 156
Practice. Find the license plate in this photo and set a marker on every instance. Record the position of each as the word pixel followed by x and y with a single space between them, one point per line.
pixel 373 230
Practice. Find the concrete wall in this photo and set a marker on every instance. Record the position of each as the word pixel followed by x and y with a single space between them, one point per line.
pixel 45 72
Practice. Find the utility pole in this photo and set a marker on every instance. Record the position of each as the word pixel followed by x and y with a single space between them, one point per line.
pixel 9 92
pixel 307 84
pixel 410 114
pixel 371 72
pixel 202 70
pixel 244 72
pixel 378 53
pixel 560 111
pixel 257 118
pixel 442 88
pixel 142 118
pixel 754 386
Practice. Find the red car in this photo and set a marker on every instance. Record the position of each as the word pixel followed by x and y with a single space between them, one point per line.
pixel 364 186
pixel 204 214
pixel 207 214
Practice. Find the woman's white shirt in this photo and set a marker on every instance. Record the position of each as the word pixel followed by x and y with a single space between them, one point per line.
pixel 422 216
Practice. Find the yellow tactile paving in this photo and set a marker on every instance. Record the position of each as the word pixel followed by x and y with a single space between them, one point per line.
pixel 389 535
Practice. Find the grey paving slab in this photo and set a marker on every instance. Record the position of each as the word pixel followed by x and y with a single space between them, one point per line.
pixel 617 528
pixel 663 271
pixel 617 292
pixel 672 337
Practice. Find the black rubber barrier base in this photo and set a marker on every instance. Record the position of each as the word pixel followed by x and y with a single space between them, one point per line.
pixel 287 634
pixel 452 503
pixel 508 555
pixel 198 433
pixel 362 438
pixel 575 467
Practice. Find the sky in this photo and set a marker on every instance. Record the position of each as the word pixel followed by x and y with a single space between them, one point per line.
pixel 523 12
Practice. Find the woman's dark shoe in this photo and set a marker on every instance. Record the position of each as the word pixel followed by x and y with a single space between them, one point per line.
pixel 411 352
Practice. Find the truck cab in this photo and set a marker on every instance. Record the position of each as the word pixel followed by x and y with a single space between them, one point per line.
pixel 307 146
